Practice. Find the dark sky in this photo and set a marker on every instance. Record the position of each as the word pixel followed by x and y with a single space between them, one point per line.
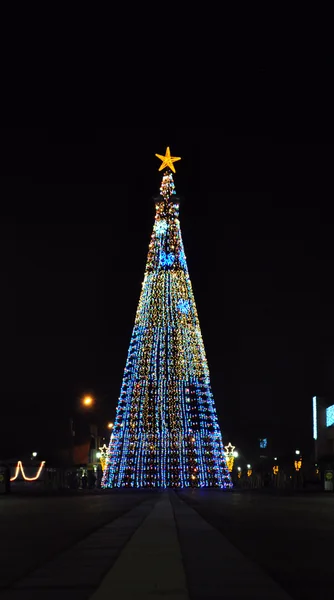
pixel 77 216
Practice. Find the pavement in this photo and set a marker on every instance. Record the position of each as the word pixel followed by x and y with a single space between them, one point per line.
pixel 194 545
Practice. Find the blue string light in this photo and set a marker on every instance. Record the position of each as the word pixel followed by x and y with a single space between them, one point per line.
pixel 167 259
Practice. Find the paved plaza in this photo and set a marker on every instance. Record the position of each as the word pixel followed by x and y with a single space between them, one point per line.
pixel 194 544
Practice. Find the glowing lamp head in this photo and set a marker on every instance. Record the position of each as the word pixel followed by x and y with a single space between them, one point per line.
pixel 110 425
pixel 239 468
pixel 297 452
pixel 98 455
pixel 34 454
pixel 249 467
pixel 87 401
pixel 235 454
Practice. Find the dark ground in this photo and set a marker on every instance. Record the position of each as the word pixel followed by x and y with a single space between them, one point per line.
pixel 290 537
pixel 35 528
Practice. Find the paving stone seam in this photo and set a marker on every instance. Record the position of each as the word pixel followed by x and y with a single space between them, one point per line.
pixel 67 548
pixel 260 572
pixel 144 507
pixel 155 543
pixel 172 502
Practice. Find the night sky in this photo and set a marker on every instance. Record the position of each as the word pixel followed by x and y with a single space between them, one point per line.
pixel 76 219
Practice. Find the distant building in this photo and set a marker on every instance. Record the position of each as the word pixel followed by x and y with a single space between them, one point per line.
pixel 323 428
pixel 58 441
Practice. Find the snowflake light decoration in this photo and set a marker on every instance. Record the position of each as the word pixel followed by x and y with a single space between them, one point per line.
pixel 161 227
pixel 167 259
pixel 183 306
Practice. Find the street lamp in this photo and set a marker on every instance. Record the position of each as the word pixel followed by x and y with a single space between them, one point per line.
pixel 249 467
pixel 235 454
pixel 239 468
pixel 87 401
pixel 34 454
pixel 297 451
pixel 110 425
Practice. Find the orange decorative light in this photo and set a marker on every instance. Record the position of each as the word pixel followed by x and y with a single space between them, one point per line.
pixel 17 470
pixel 103 456
pixel 19 467
pixel 167 160
pixel 229 456
pixel 275 469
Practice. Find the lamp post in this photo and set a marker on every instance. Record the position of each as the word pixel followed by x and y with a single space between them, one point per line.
pixel 89 404
pixel 84 403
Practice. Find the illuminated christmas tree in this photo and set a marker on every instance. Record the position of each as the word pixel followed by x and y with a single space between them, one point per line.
pixel 166 431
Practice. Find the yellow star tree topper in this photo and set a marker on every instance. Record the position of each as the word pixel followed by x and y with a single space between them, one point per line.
pixel 168 160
